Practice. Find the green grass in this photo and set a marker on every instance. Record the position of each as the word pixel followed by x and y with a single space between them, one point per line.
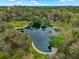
pixel 27 51
pixel 55 40
pixel 36 54
pixel 76 15
pixel 58 42
pixel 18 25
pixel 65 26
pixel 17 56
pixel 3 55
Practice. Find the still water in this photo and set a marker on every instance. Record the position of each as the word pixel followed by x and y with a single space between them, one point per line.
pixel 41 36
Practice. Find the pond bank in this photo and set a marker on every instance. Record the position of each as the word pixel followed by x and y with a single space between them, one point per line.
pixel 53 52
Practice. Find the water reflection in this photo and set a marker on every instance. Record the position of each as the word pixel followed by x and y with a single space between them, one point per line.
pixel 41 36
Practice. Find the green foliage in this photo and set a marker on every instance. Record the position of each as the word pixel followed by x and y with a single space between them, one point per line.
pixel 16 17
pixel 57 39
pixel 75 34
pixel 58 42
pixel 18 13
pixel 36 54
pixel 75 23
pixel 4 26
pixel 11 40
pixel 4 55
pixel 18 25
pixel 7 55
pixel 17 56
pixel 27 51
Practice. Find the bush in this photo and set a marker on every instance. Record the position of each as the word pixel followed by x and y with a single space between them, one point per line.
pixel 55 40
pixel 59 42
pixel 4 26
pixel 4 55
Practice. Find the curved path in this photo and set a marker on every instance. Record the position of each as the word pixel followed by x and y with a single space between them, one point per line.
pixel 39 50
pixel 53 52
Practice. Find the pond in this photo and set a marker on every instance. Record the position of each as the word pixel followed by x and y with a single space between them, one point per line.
pixel 41 36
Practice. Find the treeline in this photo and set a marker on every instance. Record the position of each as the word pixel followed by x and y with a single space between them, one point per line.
pixel 28 13
pixel 15 44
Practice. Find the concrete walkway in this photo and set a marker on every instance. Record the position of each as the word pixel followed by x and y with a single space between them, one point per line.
pixel 54 51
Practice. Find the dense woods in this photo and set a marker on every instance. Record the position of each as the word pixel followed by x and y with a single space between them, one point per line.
pixel 17 45
pixel 19 13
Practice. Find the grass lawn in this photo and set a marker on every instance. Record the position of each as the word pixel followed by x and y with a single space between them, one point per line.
pixel 18 25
